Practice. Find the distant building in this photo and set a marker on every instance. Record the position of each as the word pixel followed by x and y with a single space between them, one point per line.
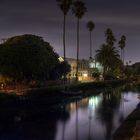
pixel 94 64
pixel 84 69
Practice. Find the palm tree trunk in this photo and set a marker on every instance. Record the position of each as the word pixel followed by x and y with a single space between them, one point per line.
pixel 104 72
pixel 77 49
pixel 123 57
pixel 90 46
pixel 64 42
pixel 122 61
pixel 123 64
pixel 64 32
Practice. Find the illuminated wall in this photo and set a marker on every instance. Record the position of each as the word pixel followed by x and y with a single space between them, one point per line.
pixel 84 68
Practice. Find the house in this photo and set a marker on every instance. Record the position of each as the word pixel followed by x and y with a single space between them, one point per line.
pixel 84 69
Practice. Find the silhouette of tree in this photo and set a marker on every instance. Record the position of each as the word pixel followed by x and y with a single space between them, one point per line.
pixel 65 7
pixel 60 70
pixel 27 57
pixel 108 57
pixel 122 46
pixel 90 26
pixel 78 10
pixel 110 39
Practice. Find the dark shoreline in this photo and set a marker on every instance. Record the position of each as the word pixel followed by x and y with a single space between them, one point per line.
pixel 127 129
pixel 46 97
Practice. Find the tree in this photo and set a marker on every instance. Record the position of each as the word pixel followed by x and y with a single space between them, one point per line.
pixel 122 46
pixel 136 69
pixel 78 10
pixel 110 39
pixel 65 7
pixel 95 73
pixel 27 57
pixel 108 57
pixel 60 70
pixel 90 26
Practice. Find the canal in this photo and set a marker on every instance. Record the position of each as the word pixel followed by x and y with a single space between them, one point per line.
pixel 91 118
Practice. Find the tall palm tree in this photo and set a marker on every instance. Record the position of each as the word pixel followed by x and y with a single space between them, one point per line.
pixel 110 39
pixel 107 55
pixel 78 10
pixel 90 26
pixel 122 46
pixel 65 7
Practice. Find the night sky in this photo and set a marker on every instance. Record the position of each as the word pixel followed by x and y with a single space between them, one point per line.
pixel 44 18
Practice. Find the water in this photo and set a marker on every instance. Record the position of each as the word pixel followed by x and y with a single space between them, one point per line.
pixel 92 118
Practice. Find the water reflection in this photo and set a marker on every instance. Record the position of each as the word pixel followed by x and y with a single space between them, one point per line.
pixel 106 109
pixel 97 117
pixel 30 125
pixel 91 118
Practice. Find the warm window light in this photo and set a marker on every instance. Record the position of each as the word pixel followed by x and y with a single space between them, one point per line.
pixel 61 59
pixel 85 74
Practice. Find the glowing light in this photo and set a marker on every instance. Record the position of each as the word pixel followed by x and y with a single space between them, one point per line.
pixel 61 59
pixel 94 101
pixel 85 74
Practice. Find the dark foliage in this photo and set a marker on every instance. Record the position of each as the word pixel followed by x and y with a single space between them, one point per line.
pixel 27 57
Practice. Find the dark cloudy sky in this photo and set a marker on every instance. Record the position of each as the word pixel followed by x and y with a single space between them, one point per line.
pixel 44 18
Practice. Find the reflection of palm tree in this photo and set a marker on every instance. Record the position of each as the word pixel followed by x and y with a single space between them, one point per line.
pixel 121 117
pixel 110 103
pixel 90 26
pixel 78 10
pixel 63 131
pixel 76 121
pixel 90 117
pixel 64 117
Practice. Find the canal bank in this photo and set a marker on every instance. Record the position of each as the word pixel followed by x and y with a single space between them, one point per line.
pixel 54 95
pixel 26 89
pixel 129 129
pixel 46 97
pixel 94 86
pixel 93 117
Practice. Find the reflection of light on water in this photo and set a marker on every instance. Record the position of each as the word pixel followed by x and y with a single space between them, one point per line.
pixel 94 101
pixel 72 107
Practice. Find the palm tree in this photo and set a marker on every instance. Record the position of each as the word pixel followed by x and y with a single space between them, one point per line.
pixel 65 7
pixel 122 46
pixel 78 10
pixel 110 39
pixel 108 57
pixel 90 26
